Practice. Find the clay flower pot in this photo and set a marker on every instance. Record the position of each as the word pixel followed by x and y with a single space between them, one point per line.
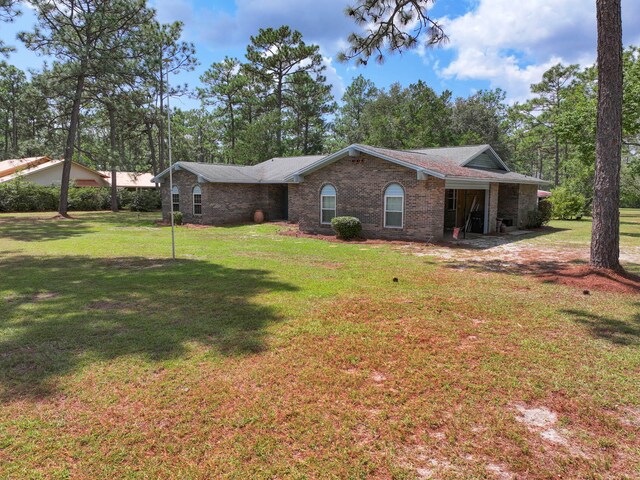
pixel 258 216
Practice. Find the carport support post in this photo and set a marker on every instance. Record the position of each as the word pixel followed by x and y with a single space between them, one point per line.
pixel 173 227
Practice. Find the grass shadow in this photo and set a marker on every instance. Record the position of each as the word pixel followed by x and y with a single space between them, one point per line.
pixel 619 332
pixel 28 229
pixel 59 314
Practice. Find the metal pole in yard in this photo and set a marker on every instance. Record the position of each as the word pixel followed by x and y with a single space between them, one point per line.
pixel 173 227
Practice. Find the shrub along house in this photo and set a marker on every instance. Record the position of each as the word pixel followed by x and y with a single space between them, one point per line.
pixel 396 194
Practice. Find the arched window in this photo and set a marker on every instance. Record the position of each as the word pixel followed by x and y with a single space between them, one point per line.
pixel 175 198
pixel 327 204
pixel 394 206
pixel 197 200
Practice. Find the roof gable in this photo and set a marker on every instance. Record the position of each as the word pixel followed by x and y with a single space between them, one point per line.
pixel 28 169
pixel 475 163
pixel 9 167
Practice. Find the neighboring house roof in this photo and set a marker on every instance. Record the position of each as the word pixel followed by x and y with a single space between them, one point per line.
pixel 271 171
pixel 470 163
pixel 131 179
pixel 543 194
pixel 9 167
pixel 447 163
pixel 34 167
pixel 87 183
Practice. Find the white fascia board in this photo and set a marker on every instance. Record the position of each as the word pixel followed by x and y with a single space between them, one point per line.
pixel 526 181
pixel 178 166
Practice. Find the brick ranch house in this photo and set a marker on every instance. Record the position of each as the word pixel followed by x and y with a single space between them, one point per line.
pixel 397 194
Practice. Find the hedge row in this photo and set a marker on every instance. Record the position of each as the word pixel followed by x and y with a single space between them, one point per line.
pixel 22 196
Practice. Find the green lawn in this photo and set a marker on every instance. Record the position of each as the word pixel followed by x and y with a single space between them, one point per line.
pixel 579 232
pixel 257 355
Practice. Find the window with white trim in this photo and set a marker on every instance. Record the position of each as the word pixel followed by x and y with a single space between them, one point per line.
pixel 175 198
pixel 394 206
pixel 197 200
pixel 327 204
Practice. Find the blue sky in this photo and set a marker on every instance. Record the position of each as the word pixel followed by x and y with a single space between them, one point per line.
pixel 493 43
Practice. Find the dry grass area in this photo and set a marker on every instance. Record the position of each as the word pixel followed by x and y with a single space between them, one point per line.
pixel 258 355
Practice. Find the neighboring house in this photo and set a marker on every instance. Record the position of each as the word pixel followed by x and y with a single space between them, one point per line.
pixel 543 194
pixel 45 171
pixel 131 180
pixel 396 194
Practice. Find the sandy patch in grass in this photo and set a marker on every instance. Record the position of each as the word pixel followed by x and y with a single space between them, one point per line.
pixel 543 421
pixel 630 417
pixel 499 471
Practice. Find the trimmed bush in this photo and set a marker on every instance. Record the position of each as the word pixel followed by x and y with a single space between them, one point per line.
pixel 541 216
pixel 21 196
pixel 144 201
pixel 89 199
pixel 566 205
pixel 177 218
pixel 346 228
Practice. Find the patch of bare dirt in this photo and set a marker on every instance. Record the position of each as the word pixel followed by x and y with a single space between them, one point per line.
pixel 631 417
pixel 195 226
pixel 586 279
pixel 292 230
pixel 543 421
pixel 419 459
pixel 110 305
pixel 40 296
pixel 499 471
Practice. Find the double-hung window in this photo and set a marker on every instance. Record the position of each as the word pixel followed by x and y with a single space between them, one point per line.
pixel 327 204
pixel 175 198
pixel 197 200
pixel 394 206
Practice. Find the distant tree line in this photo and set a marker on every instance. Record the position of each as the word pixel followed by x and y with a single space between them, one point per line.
pixel 103 102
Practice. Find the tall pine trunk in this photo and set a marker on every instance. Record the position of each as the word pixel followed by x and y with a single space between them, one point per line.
pixel 161 148
pixel 557 161
pixel 605 239
pixel 70 144
pixel 152 148
pixel 114 151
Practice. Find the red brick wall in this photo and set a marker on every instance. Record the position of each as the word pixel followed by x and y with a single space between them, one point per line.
pixel 222 203
pixel 360 183
pixel 516 201
pixel 527 201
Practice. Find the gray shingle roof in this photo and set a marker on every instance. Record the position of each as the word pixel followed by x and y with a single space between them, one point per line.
pixel 447 163
pixel 271 171
pixel 277 169
pixel 458 155
pixel 442 162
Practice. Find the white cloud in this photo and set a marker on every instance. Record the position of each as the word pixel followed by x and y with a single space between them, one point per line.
pixel 321 23
pixel 334 78
pixel 511 43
